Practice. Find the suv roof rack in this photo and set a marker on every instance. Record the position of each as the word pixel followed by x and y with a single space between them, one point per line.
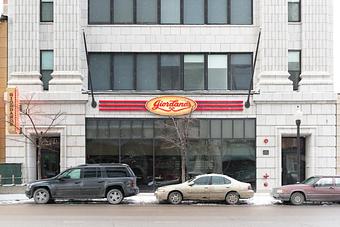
pixel 103 164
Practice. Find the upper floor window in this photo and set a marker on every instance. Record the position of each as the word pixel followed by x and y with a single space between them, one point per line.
pixel 46 69
pixel 170 12
pixel 294 67
pixel 294 9
pixel 175 71
pixel 46 10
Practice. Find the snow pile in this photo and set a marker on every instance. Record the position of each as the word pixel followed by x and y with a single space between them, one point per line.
pixel 262 199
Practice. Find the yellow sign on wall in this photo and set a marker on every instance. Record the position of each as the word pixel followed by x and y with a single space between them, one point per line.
pixel 171 105
pixel 13 111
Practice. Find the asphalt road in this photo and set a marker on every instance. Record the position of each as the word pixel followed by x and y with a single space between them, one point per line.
pixel 187 215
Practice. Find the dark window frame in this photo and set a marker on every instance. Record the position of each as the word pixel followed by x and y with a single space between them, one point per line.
pixel 299 4
pixel 159 16
pixel 181 55
pixel 41 10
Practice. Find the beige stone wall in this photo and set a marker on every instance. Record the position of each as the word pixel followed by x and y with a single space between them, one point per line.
pixel 3 82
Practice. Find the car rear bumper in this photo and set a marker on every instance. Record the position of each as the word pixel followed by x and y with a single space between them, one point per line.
pixel 131 191
pixel 247 194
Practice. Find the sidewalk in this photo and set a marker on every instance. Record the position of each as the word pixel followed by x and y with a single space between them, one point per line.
pixel 260 199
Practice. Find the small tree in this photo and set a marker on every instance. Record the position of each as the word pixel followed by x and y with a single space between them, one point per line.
pixel 177 135
pixel 37 138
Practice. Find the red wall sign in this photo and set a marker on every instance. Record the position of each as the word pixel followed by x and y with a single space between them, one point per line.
pixel 139 105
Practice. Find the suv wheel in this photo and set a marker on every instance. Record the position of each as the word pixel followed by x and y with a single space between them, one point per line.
pixel 115 196
pixel 297 198
pixel 41 196
pixel 175 198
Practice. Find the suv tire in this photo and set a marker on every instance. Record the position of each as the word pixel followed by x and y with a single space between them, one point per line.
pixel 115 196
pixel 41 196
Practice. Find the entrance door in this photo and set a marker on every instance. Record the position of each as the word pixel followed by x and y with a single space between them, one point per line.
pixel 290 164
pixel 50 157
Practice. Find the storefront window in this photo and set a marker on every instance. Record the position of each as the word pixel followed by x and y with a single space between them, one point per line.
pixel 215 146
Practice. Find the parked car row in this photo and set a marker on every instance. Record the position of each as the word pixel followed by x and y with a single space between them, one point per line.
pixel 116 181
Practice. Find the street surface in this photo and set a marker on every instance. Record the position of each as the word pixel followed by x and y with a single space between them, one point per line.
pixel 100 214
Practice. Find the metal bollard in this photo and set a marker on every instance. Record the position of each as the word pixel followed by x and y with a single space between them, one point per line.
pixel 13 179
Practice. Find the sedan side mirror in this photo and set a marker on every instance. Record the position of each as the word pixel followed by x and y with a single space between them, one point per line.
pixel 191 183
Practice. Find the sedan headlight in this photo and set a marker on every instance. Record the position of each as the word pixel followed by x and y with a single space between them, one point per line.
pixel 160 190
pixel 279 191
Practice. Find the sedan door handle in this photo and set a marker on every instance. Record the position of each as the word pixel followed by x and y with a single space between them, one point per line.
pixel 331 187
pixel 77 182
pixel 227 187
pixel 101 181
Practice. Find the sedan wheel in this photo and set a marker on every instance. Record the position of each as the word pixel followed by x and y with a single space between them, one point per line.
pixel 41 196
pixel 232 198
pixel 175 198
pixel 115 196
pixel 297 198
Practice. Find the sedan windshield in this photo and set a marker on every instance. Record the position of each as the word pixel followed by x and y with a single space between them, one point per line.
pixel 310 180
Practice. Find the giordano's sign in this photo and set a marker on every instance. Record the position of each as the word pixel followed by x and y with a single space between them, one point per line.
pixel 13 114
pixel 171 105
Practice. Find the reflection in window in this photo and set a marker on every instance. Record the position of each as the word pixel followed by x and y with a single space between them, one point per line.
pixel 217 72
pixel 146 11
pixel 294 68
pixel 46 11
pixel 294 10
pixel 123 72
pixel 217 11
pixel 147 72
pixel 202 181
pixel 193 72
pixel 241 11
pixel 100 68
pixel 170 12
pixel 99 12
pixel 46 67
pixel 241 71
pixel 170 72
pixel 193 11
pixel 123 11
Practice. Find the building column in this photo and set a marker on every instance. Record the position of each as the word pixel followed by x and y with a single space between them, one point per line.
pixel 66 74
pixel 317 46
pixel 273 51
pixel 24 54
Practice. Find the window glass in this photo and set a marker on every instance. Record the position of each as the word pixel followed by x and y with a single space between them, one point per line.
pixel 46 11
pixel 103 130
pixel 99 11
pixel 125 129
pixel 91 172
pixel 238 128
pixel 249 128
pixel 148 129
pixel 193 11
pixel 100 68
pixel 146 11
pixel 217 180
pixel 170 72
pixel 325 182
pixel 294 68
pixel 227 128
pixel 193 72
pixel 337 182
pixel 202 181
pixel 123 11
pixel 114 128
pixel 241 12
pixel 204 129
pixel 46 67
pixel 123 72
pixel 215 129
pixel 136 128
pixel 241 71
pixel 170 12
pixel 115 172
pixel 217 11
pixel 74 174
pixel 91 129
pixel 147 72
pixel 294 10
pixel 217 72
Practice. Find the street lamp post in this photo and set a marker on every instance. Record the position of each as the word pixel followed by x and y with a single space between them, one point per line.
pixel 298 116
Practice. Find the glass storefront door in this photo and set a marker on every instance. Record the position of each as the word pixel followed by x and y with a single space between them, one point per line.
pixel 50 157
pixel 290 164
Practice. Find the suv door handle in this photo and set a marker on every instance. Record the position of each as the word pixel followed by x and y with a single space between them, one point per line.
pixel 101 181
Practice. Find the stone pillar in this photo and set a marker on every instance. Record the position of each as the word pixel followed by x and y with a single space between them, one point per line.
pixel 24 53
pixel 66 75
pixel 317 46
pixel 273 51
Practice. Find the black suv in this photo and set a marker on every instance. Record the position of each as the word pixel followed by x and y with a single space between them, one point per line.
pixel 111 181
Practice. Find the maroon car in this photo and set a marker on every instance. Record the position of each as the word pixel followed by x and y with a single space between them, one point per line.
pixel 317 188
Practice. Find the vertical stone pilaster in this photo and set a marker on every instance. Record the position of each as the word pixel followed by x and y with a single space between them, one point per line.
pixel 66 75
pixel 273 50
pixel 24 59
pixel 317 46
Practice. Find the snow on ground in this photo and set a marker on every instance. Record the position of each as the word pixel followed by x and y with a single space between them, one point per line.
pixel 260 199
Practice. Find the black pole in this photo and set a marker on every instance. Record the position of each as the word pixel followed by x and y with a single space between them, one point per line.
pixel 93 103
pixel 247 103
pixel 298 149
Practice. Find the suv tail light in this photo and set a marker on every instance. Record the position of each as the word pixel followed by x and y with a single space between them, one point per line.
pixel 132 183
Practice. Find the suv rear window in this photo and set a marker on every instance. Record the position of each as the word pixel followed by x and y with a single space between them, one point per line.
pixel 116 172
